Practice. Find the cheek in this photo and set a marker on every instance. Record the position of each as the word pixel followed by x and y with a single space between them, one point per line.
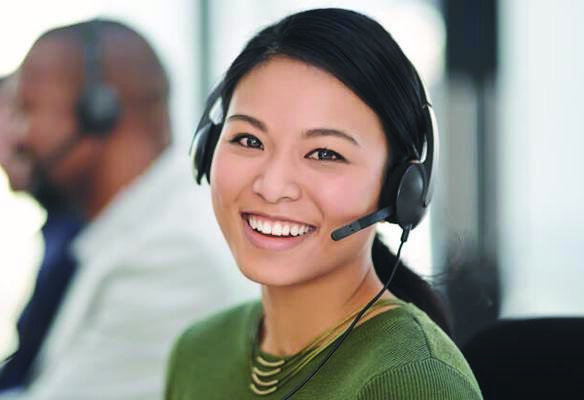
pixel 47 131
pixel 227 182
pixel 77 168
pixel 344 198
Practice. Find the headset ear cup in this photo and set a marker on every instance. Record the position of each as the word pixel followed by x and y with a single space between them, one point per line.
pixel 403 191
pixel 205 142
pixel 98 110
pixel 409 201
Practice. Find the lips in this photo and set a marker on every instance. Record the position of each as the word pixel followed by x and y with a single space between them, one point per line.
pixel 276 227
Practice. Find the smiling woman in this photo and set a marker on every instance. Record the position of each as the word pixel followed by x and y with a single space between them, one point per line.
pixel 295 167
pixel 307 133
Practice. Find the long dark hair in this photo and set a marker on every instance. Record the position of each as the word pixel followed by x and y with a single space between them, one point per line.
pixel 360 53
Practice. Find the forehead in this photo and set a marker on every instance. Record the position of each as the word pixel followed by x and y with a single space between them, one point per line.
pixel 8 87
pixel 287 92
pixel 7 97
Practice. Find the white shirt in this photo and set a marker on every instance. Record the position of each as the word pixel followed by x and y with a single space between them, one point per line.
pixel 150 264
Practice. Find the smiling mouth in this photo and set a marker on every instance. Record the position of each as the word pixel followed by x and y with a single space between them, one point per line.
pixel 277 228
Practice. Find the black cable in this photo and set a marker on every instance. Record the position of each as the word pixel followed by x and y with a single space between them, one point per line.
pixel 341 339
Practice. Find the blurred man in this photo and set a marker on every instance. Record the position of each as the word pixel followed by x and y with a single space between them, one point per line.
pixel 60 228
pixel 150 259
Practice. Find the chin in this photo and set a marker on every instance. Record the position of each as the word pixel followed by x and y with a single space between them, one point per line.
pixel 267 275
pixel 272 273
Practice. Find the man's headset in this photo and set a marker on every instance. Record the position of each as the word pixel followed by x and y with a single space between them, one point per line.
pixel 405 194
pixel 98 106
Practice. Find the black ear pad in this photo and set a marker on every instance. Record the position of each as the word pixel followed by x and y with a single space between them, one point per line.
pixel 98 110
pixel 404 191
pixel 205 141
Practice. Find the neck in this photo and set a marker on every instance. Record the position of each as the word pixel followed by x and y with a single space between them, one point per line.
pixel 127 160
pixel 294 316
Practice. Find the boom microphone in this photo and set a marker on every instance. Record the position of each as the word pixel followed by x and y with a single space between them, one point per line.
pixel 361 223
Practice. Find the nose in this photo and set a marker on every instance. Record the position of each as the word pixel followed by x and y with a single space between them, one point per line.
pixel 18 129
pixel 277 181
pixel 15 160
pixel 20 132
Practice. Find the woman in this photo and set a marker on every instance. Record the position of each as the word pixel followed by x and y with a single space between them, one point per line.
pixel 302 137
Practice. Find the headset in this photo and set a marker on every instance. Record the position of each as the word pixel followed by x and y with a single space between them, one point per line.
pixel 98 107
pixel 405 194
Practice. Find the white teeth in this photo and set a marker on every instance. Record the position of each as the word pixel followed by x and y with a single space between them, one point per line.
pixel 277 228
pixel 267 228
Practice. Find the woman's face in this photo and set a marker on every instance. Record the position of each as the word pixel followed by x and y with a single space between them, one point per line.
pixel 299 156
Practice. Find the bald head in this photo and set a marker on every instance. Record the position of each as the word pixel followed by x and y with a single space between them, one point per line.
pixel 128 62
pixel 54 76
pixel 103 51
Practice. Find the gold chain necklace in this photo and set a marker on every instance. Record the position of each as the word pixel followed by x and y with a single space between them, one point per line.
pixel 268 376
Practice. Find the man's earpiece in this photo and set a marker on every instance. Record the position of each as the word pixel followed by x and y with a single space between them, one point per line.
pixel 98 106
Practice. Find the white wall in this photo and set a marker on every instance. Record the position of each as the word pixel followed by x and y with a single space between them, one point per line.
pixel 541 143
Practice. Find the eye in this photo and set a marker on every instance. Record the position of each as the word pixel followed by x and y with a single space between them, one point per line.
pixel 325 155
pixel 248 141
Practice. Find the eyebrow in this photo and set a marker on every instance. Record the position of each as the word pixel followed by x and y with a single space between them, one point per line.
pixel 330 132
pixel 251 120
pixel 316 132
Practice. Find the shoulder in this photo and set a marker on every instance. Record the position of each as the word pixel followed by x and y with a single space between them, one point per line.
pixel 202 349
pixel 411 357
pixel 424 379
pixel 211 352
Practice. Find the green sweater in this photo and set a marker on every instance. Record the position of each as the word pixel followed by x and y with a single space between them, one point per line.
pixel 398 354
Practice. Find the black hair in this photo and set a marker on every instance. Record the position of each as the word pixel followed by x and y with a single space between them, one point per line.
pixel 409 286
pixel 361 54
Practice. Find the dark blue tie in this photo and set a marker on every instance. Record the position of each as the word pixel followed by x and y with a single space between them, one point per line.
pixel 55 273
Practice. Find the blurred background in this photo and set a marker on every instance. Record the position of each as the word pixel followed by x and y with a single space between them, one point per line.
pixel 505 228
